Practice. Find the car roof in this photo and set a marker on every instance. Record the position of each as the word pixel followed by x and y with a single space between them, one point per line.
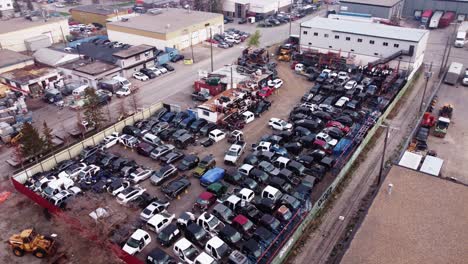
pixel 204 258
pixel 270 189
pixel 215 242
pixel 233 199
pixel 246 167
pixel 206 195
pixel 139 233
pixel 183 244
pixel 245 191
pixel 240 219
pixel 169 229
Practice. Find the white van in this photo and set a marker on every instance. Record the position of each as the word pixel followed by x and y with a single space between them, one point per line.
pixel 460 40
pixel 122 81
pixel 217 135
pixel 80 91
pixel 248 117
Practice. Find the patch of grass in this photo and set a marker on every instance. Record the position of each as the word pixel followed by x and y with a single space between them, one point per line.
pixel 404 97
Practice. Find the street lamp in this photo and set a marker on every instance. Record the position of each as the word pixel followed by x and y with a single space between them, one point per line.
pixel 382 161
pixel 232 80
pixel 427 75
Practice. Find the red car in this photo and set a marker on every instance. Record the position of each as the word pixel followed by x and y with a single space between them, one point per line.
pixel 204 201
pixel 337 124
pixel 243 225
pixel 266 91
pixel 212 41
pixel 320 144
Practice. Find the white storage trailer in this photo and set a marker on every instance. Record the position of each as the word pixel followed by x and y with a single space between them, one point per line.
pixel 453 73
pixel 435 19
pixel 461 35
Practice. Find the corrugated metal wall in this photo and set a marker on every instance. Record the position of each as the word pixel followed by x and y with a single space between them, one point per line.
pixel 460 7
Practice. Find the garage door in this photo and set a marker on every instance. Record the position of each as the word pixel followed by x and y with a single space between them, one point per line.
pixel 185 42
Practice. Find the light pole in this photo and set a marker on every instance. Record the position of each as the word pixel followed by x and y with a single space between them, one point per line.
pixel 211 47
pixel 449 46
pixel 382 161
pixel 290 18
pixel 428 75
pixel 232 79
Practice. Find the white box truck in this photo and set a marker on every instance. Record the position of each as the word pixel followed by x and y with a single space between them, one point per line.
pixel 461 35
pixel 453 73
pixel 435 19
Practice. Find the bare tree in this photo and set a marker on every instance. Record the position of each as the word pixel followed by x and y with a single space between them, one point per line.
pixel 122 109
pixel 134 101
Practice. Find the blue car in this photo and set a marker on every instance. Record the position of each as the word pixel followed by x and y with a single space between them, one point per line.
pixel 279 150
pixel 214 175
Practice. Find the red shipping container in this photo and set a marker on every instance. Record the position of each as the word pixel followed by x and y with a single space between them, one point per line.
pixel 446 19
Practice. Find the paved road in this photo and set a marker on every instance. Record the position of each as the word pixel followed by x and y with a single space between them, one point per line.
pixel 321 243
pixel 174 88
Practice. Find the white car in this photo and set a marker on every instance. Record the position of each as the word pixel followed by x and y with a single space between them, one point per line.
pixel 89 171
pixel 153 208
pixel 248 117
pixel 217 135
pixel 465 78
pixel 186 251
pixel 124 91
pixel 311 106
pixel 117 187
pixel 342 101
pixel 59 5
pixel 110 140
pixel 276 83
pixel 159 221
pixel 350 85
pixel 129 194
pixel 342 74
pixel 137 242
pixel 139 175
pixel 325 137
pixel 156 70
pixel 162 69
pixel 279 124
pixel 140 76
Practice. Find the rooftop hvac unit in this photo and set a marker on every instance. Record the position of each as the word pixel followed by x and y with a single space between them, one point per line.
pixel 155 11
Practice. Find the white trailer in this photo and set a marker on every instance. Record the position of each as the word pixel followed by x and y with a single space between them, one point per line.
pixel 461 35
pixel 434 23
pixel 453 73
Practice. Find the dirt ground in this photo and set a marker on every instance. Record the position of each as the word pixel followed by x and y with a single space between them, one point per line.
pixel 15 220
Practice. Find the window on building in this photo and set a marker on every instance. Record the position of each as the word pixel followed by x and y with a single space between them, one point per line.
pixel 376 54
pixel 304 32
pixel 315 33
pixel 147 54
pixel 206 113
pixel 396 45
pixel 385 44
pixel 352 50
pixel 330 47
pixel 371 42
pixel 325 35
pixel 337 37
pixel 310 43
pixel 348 38
pixel 359 40
pixel 137 57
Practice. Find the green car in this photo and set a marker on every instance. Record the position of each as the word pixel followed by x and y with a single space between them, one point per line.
pixel 208 162
pixel 217 189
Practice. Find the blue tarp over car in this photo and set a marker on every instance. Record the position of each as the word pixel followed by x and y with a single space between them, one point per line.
pixel 212 176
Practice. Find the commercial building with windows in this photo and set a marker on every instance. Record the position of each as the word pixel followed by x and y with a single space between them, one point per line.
pixel 88 14
pixel 457 6
pixel 387 9
pixel 171 27
pixel 11 60
pixel 243 8
pixel 365 42
pixel 6 5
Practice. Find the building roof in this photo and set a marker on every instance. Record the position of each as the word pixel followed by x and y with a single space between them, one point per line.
pixel 98 9
pixel 52 57
pixel 9 58
pixel 366 29
pixel 132 51
pixel 94 67
pixel 384 3
pixel 98 52
pixel 423 220
pixel 21 23
pixel 26 74
pixel 169 20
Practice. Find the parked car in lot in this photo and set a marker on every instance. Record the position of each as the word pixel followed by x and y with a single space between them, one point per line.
pixel 212 176
pixel 171 157
pixel 154 208
pixel 276 83
pixel 262 106
pixel 186 251
pixel 168 67
pixel 140 76
pixel 157 256
pixel 129 194
pixel 139 175
pixel 161 151
pixel 137 242
pixel 169 235
pixel 163 174
pixel 188 162
pixel 208 162
pixel 148 73
pixel 278 124
pixel 266 92
pixel 159 221
pixel 177 58
pixel 175 187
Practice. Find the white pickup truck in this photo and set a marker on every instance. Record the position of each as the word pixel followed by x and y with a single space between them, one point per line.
pixel 234 153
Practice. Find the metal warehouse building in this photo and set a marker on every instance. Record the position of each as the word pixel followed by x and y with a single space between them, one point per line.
pixel 377 8
pixel 458 6
pixel 172 27
pixel 88 14
pixel 365 42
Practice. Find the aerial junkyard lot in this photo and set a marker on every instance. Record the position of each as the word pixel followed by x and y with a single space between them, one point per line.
pixel 330 113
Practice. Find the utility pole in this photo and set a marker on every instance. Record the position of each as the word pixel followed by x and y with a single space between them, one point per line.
pixel 428 75
pixel 211 47
pixel 191 47
pixel 448 45
pixel 232 80
pixel 387 128
pixel 290 20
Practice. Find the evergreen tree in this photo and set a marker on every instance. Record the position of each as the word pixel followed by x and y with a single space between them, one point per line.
pixel 31 142
pixel 254 40
pixel 47 136
pixel 92 111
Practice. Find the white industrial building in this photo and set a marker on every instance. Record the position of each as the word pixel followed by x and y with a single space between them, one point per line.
pixel 6 5
pixel 21 34
pixel 240 8
pixel 365 42
pixel 171 27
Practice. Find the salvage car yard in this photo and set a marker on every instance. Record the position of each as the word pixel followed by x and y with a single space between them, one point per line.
pixel 316 129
